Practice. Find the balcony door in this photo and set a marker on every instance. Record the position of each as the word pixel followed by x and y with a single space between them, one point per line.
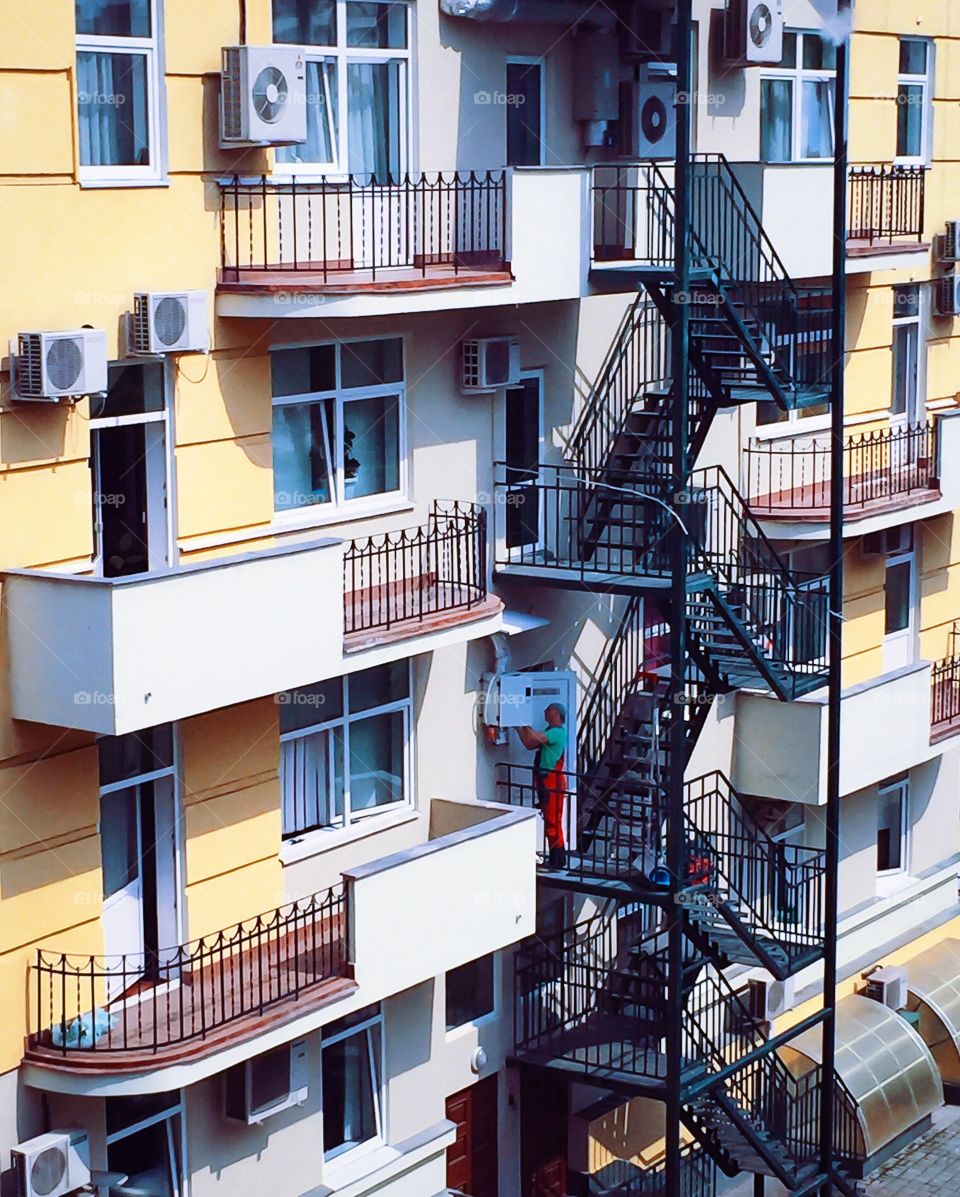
pixel 472 1160
pixel 900 602
pixel 523 442
pixel 906 407
pixel 128 458
pixel 139 858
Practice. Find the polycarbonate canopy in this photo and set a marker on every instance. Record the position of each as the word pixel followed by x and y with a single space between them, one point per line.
pixel 933 981
pixel 886 1066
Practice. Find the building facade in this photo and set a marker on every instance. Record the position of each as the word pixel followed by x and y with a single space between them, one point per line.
pixel 378 301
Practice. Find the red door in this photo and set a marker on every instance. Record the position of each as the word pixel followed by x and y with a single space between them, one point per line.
pixel 472 1160
pixel 543 1135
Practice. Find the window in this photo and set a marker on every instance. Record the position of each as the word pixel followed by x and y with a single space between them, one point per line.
pixel 914 94
pixel 351 1068
pixel 470 992
pixel 356 53
pixel 118 91
pixel 345 748
pixel 891 825
pixel 523 433
pixel 144 1142
pixel 796 102
pixel 524 105
pixel 905 402
pixel 338 425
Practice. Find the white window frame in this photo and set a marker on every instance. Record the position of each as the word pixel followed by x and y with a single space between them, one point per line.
pixel 539 374
pixel 167 1115
pixel 901 784
pixel 151 49
pixel 798 75
pixel 925 83
pixel 343 55
pixel 541 64
pixel 340 507
pixel 350 818
pixel 916 322
pixel 344 1154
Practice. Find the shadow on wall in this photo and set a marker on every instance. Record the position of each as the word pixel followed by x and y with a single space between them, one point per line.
pixel 726 87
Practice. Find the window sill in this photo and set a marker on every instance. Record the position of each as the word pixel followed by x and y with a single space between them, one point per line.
pixel 891 884
pixel 104 184
pixel 296 521
pixel 315 843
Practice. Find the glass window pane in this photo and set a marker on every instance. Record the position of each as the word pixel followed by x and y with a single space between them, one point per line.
pixel 149 1159
pixel 377 26
pixel 312 781
pixel 906 302
pixel 776 120
pixel 818 54
pixel 789 50
pixel 522 441
pixel 350 1092
pixel 112 109
pixel 132 755
pixel 119 840
pixel 379 686
pixel 469 992
pixel 890 830
pixel 308 705
pixel 897 596
pixel 371 446
pixel 376 761
pixel 303 371
pixel 913 57
pixel 305 22
pixel 524 135
pixel 374 119
pixel 133 389
pixel 904 369
pixel 114 18
pixel 321 143
pixel 817 120
pixel 369 363
pixel 910 120
pixel 303 455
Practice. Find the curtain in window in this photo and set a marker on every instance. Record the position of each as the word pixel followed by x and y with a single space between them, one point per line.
pixel 373 119
pixel 302 455
pixel 776 120
pixel 112 109
pixel 817 119
pixel 321 144
pixel 311 782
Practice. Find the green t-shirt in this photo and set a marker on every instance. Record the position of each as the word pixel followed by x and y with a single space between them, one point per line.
pixel 549 754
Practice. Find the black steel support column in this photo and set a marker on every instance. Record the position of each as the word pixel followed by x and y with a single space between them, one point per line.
pixel 831 905
pixel 679 323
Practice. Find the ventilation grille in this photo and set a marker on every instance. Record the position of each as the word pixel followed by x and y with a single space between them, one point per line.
pixel 30 366
pixel 231 94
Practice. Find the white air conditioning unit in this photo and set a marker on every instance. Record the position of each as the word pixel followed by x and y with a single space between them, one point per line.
pixel 263 96
pixel 753 31
pixel 52 366
pixel 170 322
pixel 654 115
pixel 51 1164
pixel 267 1084
pixel 946 295
pixel 950 245
pixel 770 999
pixel 489 362
pixel 888 986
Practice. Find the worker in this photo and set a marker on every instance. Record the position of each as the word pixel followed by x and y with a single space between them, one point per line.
pixel 548 777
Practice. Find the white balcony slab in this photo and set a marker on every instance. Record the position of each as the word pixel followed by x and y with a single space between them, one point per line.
pixel 780 748
pixel 116 655
pixel 469 890
pixel 794 201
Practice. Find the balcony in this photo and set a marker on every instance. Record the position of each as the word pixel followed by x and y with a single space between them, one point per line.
pixel 885 217
pixel 358 246
pixel 780 748
pixel 114 655
pixel 468 890
pixel 889 470
pixel 417 580
pixel 945 695
pixel 126 1013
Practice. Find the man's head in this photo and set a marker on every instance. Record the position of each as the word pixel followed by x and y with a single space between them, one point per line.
pixel 555 714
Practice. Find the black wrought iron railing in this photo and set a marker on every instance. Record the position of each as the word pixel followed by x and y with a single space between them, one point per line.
pixel 149 1002
pixel 622 1178
pixel 945 697
pixel 418 572
pixel 793 477
pixel 777 888
pixel 614 680
pixel 886 204
pixel 455 220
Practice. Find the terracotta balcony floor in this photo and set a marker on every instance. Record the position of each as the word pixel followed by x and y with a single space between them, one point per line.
pixel 379 616
pixel 310 280
pixel 811 503
pixel 207 1009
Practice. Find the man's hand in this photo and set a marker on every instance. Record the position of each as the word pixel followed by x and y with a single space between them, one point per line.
pixel 531 739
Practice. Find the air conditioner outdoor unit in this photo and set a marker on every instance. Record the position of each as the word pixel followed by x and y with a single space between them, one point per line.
pixel 888 986
pixel 52 1164
pixel 52 366
pixel 769 999
pixel 950 245
pixel 654 115
pixel 263 96
pixel 267 1084
pixel 170 322
pixel 489 362
pixel 753 31
pixel 946 295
